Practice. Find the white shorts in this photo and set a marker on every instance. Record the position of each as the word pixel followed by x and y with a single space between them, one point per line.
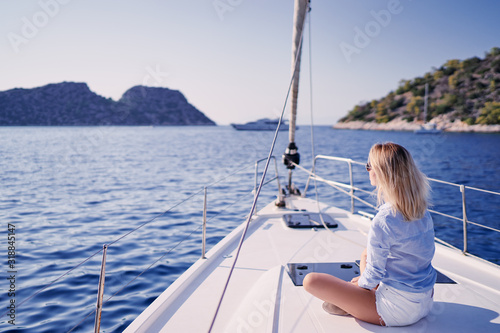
pixel 402 308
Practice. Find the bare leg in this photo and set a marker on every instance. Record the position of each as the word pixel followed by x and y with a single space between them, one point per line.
pixel 357 301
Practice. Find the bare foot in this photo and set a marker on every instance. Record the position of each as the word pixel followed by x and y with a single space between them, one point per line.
pixel 333 309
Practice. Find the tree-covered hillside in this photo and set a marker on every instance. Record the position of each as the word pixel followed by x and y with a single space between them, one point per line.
pixel 468 90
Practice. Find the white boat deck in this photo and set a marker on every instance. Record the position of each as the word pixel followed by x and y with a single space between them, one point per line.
pixel 262 297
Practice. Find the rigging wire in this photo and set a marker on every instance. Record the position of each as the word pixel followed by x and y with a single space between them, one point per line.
pixel 123 236
pixel 312 125
pixel 179 243
pixel 54 281
pixel 312 128
pixel 160 258
pixel 97 252
pixel 332 184
pixel 166 253
pixel 176 205
pixel 154 218
pixel 247 223
pixel 313 169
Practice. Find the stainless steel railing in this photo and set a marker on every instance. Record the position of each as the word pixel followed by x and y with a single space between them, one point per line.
pixel 100 302
pixel 350 189
pixel 204 223
pixel 338 185
pixel 203 240
pixel 464 219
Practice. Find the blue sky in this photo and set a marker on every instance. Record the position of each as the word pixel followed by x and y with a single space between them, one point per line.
pixel 232 58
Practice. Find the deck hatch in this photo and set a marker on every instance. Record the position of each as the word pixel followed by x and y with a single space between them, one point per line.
pixel 343 270
pixel 308 220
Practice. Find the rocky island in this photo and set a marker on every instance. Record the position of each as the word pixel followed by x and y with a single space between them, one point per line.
pixel 463 96
pixel 74 104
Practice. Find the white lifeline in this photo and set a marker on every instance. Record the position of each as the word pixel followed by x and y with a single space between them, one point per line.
pixel 262 297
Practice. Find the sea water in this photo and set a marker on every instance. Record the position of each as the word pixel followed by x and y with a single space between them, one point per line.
pixel 67 191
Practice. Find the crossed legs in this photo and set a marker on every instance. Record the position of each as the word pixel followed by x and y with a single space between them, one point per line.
pixel 348 296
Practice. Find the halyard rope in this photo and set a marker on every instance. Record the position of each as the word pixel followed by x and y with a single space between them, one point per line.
pixel 247 223
pixel 313 170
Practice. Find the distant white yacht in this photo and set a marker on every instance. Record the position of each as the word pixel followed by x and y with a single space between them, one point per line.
pixel 428 128
pixel 264 124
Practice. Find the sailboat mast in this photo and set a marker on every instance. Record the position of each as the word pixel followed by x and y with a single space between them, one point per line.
pixel 300 10
pixel 291 153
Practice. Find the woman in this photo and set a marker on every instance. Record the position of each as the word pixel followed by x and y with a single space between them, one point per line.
pixel 396 284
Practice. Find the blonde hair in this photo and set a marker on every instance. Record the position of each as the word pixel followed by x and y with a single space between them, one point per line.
pixel 399 181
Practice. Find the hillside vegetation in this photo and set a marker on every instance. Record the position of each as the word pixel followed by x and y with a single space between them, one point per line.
pixel 74 104
pixel 467 90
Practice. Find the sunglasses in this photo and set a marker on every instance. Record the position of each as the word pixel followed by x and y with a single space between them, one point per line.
pixel 368 167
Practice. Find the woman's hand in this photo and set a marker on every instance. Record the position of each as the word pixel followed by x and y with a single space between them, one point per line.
pixel 355 280
pixel 362 261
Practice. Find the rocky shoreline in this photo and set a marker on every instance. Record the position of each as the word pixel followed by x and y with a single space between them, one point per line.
pixel 443 122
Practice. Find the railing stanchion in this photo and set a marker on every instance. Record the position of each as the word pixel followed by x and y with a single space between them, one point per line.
pixel 352 187
pixel 464 214
pixel 204 233
pixel 256 182
pixel 100 291
pixel 277 175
